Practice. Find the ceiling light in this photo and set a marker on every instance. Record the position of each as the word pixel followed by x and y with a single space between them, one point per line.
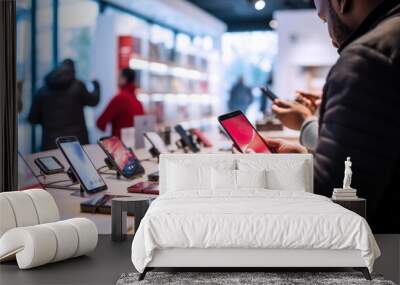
pixel 273 24
pixel 259 5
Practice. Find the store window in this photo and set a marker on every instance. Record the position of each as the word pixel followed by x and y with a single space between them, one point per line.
pixel 250 55
pixel 28 136
pixel 77 21
pixel 23 16
pixel 44 34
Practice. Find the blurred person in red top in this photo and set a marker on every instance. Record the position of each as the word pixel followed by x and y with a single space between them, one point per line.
pixel 123 107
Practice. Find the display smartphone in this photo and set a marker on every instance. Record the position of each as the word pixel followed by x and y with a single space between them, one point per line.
pixel 187 140
pixel 49 165
pixel 267 92
pixel 201 137
pixel 154 177
pixel 81 165
pixel 243 134
pixel 101 204
pixel 143 124
pixel 156 141
pixel 121 157
pixel 147 187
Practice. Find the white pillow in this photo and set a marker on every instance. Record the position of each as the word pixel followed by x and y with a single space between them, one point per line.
pixel 224 179
pixel 183 177
pixel 281 174
pixel 294 181
pixel 251 178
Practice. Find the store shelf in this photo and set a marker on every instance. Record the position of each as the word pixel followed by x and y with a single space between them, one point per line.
pixel 166 68
pixel 175 81
pixel 177 97
pixel 192 123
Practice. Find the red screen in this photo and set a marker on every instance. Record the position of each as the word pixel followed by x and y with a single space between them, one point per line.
pixel 120 154
pixel 244 135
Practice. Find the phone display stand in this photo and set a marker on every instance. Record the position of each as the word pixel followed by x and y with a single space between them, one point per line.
pixel 42 174
pixel 110 166
pixel 81 191
pixel 72 176
pixel 165 135
pixel 57 185
pixel 198 141
pixel 194 141
pixel 155 153
pixel 180 144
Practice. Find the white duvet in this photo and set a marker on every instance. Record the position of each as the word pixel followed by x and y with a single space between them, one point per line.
pixel 250 219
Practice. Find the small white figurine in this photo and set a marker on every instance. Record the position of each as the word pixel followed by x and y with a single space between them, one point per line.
pixel 348 173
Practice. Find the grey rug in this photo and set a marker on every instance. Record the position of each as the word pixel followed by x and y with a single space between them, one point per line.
pixel 269 278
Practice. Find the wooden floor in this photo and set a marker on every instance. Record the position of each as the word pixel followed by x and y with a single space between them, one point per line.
pixel 103 266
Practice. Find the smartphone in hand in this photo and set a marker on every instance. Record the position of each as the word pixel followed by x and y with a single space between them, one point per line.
pixel 244 136
pixel 267 92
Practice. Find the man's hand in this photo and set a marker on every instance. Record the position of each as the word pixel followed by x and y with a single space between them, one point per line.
pixel 277 146
pixel 312 100
pixel 282 146
pixel 291 114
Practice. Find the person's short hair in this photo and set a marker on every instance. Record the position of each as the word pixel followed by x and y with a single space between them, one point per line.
pixel 68 63
pixel 129 74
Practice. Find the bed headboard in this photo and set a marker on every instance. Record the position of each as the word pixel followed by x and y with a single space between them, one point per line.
pixel 297 169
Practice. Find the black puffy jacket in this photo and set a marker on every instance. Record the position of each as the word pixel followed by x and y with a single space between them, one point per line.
pixel 58 106
pixel 360 117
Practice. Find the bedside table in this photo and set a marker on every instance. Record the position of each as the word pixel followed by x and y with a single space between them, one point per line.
pixel 358 206
pixel 119 211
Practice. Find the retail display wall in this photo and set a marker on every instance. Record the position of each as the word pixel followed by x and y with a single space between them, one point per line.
pixel 178 75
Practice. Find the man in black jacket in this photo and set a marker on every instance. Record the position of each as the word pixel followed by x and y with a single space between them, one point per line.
pixel 59 105
pixel 360 107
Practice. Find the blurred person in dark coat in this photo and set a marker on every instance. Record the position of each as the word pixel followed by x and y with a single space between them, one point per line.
pixel 240 96
pixel 59 105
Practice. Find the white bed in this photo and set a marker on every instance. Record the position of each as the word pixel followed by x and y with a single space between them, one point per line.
pixel 213 212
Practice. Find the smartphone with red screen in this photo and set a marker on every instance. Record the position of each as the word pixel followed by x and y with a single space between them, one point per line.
pixel 146 187
pixel 122 158
pixel 243 134
pixel 202 138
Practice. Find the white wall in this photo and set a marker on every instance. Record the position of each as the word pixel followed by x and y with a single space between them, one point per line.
pixel 303 40
pixel 180 14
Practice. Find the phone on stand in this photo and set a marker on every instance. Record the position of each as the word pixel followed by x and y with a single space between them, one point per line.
pixel 122 158
pixel 156 142
pixel 81 165
pixel 243 134
pixel 186 139
pixel 201 137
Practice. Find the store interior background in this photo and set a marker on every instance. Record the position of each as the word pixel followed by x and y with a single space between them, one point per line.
pixel 187 54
